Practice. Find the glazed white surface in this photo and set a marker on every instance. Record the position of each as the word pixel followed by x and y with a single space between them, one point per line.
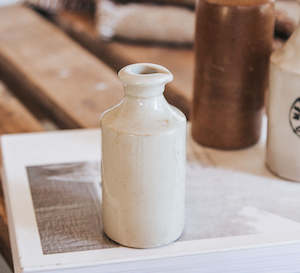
pixel 143 162
pixel 283 145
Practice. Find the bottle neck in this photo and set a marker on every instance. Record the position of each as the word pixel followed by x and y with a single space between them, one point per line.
pixel 144 91
pixel 155 104
pixel 144 85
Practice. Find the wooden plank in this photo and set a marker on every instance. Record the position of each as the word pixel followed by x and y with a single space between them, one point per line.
pixel 14 118
pixel 179 60
pixel 72 84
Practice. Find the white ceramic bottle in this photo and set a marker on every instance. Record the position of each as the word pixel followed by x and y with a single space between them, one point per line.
pixel 283 145
pixel 143 161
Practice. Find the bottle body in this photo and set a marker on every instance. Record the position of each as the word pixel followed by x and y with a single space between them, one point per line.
pixel 232 45
pixel 143 171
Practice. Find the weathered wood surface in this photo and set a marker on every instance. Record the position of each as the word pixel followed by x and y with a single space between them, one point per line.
pixel 179 60
pixel 14 118
pixel 72 84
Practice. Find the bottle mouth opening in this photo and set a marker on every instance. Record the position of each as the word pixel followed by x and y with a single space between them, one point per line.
pixel 145 74
pixel 143 70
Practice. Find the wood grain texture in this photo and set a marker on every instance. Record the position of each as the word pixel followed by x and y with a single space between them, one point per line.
pixel 14 118
pixel 67 207
pixel 66 79
pixel 180 61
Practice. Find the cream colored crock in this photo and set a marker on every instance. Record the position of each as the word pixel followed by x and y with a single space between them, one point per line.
pixel 283 145
pixel 143 162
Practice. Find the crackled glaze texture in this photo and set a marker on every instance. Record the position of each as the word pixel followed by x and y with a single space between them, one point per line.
pixel 143 162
